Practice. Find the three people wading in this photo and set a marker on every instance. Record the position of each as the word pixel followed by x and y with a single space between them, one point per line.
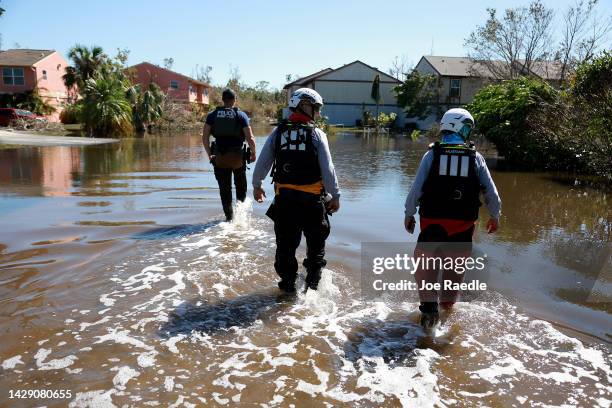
pixel 447 189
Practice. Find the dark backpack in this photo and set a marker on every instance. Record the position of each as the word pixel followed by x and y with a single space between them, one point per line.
pixel 295 157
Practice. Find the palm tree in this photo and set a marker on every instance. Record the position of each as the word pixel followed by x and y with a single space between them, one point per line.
pixel 85 64
pixel 106 109
pixel 375 94
pixel 146 106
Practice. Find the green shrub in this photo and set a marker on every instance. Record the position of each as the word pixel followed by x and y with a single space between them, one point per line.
pixel 71 114
pixel 501 112
pixel 534 126
pixel 29 100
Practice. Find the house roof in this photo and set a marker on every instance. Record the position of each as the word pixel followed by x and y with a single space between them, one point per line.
pixel 188 78
pixel 23 57
pixel 450 66
pixel 308 78
pixel 467 67
pixel 326 71
pixel 546 69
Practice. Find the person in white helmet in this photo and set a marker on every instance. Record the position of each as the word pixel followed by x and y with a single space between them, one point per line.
pixel 447 188
pixel 305 185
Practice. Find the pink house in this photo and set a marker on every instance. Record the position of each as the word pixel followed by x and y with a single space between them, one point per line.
pixel 178 87
pixel 25 70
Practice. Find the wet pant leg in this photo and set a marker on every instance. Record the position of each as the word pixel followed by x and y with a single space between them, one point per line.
pixel 428 273
pixel 461 247
pixel 224 179
pixel 240 181
pixel 316 230
pixel 288 236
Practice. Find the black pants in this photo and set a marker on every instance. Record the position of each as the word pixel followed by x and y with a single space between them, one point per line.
pixel 435 242
pixel 224 178
pixel 295 213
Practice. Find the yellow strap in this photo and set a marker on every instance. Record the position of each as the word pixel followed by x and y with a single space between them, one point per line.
pixel 314 188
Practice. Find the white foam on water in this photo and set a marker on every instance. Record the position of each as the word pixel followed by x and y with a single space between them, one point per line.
pixel 121 337
pixel 107 301
pixel 203 306
pixel 93 399
pixel 411 385
pixel 171 343
pixel 509 366
pixel 58 363
pixel 41 355
pixel 124 374
pixel 10 363
pixel 314 389
pixel 242 215
pixel 85 325
pixel 169 383
pixel 220 288
pixel 147 359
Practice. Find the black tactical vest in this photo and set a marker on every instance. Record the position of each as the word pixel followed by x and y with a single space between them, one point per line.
pixel 295 158
pixel 452 188
pixel 227 129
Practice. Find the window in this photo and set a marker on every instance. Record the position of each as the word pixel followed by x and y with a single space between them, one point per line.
pixel 455 88
pixel 206 91
pixel 12 76
pixel 174 84
pixel 44 74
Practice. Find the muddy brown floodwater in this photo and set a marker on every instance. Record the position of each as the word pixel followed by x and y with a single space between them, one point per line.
pixel 120 284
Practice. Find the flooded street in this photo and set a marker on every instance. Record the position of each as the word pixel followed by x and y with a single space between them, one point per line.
pixel 120 283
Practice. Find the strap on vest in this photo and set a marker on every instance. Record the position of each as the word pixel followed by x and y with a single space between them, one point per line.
pixel 283 126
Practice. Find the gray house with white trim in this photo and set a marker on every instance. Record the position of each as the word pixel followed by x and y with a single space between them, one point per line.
pixel 460 78
pixel 346 92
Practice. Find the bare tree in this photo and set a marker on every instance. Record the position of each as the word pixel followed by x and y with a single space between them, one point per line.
pixel 203 73
pixel 582 34
pixel 168 62
pixel 509 46
pixel 234 78
pixel 400 67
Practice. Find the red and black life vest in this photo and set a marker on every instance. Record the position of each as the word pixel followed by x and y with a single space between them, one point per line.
pixel 452 188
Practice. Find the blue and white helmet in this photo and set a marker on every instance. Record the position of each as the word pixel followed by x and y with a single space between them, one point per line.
pixel 458 120
pixel 305 94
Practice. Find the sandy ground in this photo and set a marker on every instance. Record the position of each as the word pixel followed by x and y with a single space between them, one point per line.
pixel 30 139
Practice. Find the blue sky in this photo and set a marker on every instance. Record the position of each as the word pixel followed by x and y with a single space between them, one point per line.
pixel 265 39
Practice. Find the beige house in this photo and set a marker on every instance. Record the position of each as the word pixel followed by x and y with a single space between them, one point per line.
pixel 347 90
pixel 460 78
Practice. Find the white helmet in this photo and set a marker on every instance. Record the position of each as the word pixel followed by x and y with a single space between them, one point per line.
pixel 458 120
pixel 305 94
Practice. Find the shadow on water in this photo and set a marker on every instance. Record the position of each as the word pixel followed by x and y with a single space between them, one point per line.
pixel 209 318
pixel 394 340
pixel 175 231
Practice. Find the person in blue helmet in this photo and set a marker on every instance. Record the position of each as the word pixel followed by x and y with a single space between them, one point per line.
pixel 447 189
